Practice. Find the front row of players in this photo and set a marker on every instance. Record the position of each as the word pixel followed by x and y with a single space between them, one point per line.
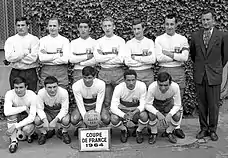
pixel 49 109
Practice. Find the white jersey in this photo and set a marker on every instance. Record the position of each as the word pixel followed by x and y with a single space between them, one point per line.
pixel 22 51
pixel 14 105
pixel 168 43
pixel 96 91
pixel 155 93
pixel 61 98
pixel 78 49
pixel 51 44
pixel 106 45
pixel 121 92
pixel 137 47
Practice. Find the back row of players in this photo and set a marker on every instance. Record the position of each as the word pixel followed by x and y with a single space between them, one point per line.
pixel 110 52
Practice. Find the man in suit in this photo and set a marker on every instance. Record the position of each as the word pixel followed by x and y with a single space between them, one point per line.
pixel 207 53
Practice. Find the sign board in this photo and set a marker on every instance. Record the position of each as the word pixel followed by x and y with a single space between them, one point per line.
pixel 94 139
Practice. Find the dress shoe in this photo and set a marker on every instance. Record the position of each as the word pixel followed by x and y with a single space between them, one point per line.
pixel 179 133
pixel 214 136
pixel 152 138
pixel 171 138
pixel 42 139
pixel 139 137
pixel 202 134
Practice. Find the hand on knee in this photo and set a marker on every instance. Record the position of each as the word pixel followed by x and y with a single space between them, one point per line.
pixel 115 119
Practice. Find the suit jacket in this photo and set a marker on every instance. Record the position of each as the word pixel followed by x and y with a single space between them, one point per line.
pixel 208 61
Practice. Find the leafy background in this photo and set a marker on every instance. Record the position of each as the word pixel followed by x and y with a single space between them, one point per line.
pixel 152 12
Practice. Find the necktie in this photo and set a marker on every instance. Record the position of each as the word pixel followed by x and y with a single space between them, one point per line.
pixel 206 37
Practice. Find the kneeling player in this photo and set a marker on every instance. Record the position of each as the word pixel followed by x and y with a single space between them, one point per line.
pixel 20 110
pixel 89 95
pixel 128 102
pixel 52 108
pixel 163 104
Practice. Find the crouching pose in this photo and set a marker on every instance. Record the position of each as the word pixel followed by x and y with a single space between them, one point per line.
pixel 52 110
pixel 128 103
pixel 20 110
pixel 89 95
pixel 163 103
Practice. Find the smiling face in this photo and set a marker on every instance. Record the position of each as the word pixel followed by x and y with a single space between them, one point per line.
pixel 51 89
pixel 207 21
pixel 170 26
pixel 22 28
pixel 138 31
pixel 84 30
pixel 53 27
pixel 108 28
pixel 20 89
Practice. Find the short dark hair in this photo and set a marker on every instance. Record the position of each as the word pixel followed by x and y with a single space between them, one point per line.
pixel 164 76
pixel 89 70
pixel 208 10
pixel 22 19
pixel 19 80
pixel 171 16
pixel 130 72
pixel 86 21
pixel 138 21
pixel 50 80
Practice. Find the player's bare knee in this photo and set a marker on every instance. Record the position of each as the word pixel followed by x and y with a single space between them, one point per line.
pixel 75 119
pixel 37 121
pixel 143 116
pixel 177 117
pixel 105 118
pixel 66 120
pixel 115 119
pixel 152 117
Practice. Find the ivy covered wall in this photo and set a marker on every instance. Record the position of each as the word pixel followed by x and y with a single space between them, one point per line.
pixel 152 12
